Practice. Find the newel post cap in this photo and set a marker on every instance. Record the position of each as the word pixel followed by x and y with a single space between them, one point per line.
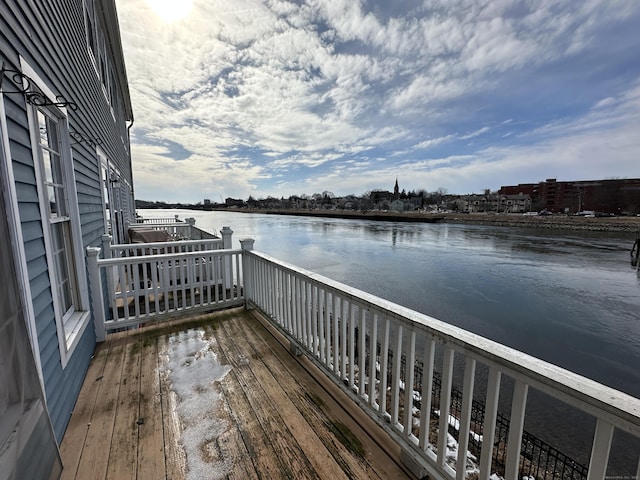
pixel 247 244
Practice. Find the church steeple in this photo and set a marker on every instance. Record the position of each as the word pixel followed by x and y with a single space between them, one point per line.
pixel 396 189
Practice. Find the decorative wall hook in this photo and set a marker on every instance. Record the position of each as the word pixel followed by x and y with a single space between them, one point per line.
pixel 82 138
pixel 24 85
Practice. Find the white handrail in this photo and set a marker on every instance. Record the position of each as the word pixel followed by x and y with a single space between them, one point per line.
pixel 152 248
pixel 153 287
pixel 142 221
pixel 331 322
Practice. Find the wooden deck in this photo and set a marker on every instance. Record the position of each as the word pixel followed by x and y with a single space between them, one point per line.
pixel 273 415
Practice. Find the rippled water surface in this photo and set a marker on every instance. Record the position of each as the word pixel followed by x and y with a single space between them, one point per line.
pixel 570 298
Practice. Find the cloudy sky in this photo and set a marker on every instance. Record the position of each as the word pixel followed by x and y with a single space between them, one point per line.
pixel 240 97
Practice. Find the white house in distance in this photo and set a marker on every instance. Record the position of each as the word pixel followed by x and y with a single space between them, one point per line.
pixel 65 114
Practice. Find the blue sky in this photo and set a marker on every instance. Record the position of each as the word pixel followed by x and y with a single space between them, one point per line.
pixel 241 97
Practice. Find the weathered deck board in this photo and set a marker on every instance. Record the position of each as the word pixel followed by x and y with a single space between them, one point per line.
pixel 174 458
pixel 280 423
pixel 232 447
pixel 151 452
pixel 123 454
pixel 321 403
pixel 100 424
pixel 273 424
pixel 286 391
pixel 79 423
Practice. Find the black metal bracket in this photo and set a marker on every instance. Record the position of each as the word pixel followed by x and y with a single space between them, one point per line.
pixel 24 85
pixel 82 138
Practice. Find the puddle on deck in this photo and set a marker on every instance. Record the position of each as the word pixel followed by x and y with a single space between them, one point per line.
pixel 192 370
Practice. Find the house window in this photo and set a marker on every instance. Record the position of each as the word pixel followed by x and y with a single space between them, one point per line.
pixel 61 227
pixel 90 27
pixel 103 65
pixel 106 191
pixel 57 213
pixel 97 47
pixel 110 198
pixel 113 99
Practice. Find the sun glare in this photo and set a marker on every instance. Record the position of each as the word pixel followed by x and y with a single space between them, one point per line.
pixel 170 10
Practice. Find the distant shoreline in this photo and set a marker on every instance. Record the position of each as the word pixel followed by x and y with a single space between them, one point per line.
pixel 559 222
pixel 350 215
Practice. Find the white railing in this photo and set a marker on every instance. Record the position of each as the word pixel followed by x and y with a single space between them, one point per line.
pixel 338 326
pixel 178 229
pixel 157 248
pixel 146 288
pixel 159 220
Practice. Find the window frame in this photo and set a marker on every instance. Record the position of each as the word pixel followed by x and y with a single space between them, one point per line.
pixel 70 327
pixel 119 207
pixel 105 189
pixel 97 49
pixel 91 32
pixel 111 196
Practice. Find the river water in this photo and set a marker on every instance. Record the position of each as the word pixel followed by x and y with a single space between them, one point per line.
pixel 570 298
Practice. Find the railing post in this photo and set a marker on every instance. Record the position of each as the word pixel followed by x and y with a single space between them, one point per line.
pixel 95 286
pixel 191 222
pixel 107 252
pixel 516 425
pixel 106 246
pixel 600 450
pixel 489 428
pixel 127 226
pixel 226 233
pixel 228 269
pixel 247 274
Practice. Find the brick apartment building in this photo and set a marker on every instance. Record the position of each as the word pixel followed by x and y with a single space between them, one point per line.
pixel 620 197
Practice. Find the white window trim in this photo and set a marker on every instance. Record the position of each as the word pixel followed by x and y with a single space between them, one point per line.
pixel 103 163
pixel 68 338
pixel 8 185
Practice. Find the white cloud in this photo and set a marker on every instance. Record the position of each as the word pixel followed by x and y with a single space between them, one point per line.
pixel 477 133
pixel 257 93
pixel 432 142
pixel 158 177
pixel 605 102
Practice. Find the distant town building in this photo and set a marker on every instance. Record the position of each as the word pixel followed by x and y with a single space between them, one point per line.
pixel 619 196
pixel 377 196
pixel 382 199
pixel 397 206
pixel 233 202
pixel 415 202
pixel 477 203
pixel 514 203
pixel 207 201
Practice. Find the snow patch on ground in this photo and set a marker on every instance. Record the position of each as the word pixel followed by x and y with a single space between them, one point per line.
pixel 193 369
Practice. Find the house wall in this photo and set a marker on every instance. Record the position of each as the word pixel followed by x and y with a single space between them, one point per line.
pixel 50 36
